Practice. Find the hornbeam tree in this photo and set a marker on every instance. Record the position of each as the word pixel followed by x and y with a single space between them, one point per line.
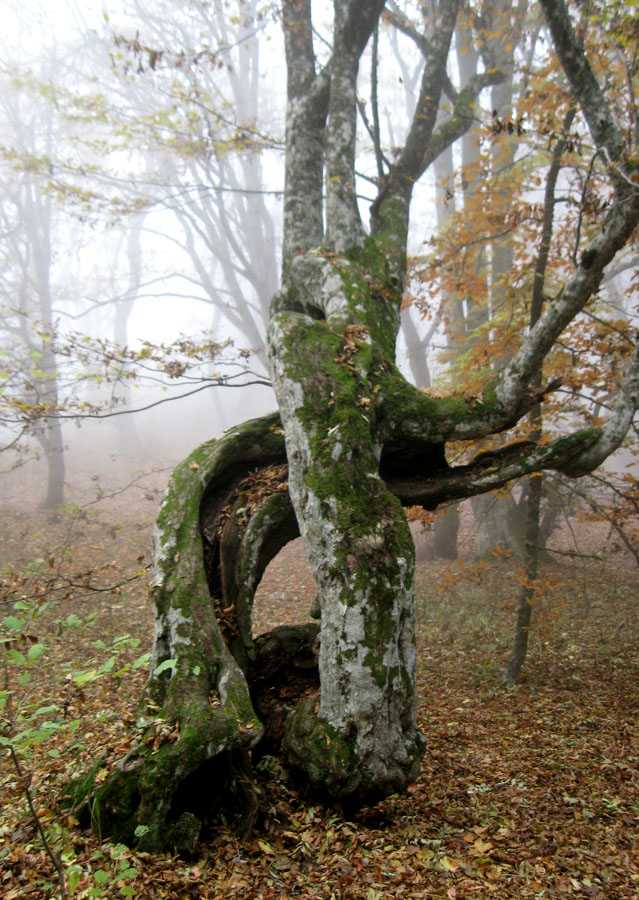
pixel 353 442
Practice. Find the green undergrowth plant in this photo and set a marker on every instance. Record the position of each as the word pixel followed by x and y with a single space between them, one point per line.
pixel 110 872
pixel 41 698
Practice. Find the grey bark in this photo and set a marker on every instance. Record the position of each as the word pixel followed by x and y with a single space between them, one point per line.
pixel 127 428
pixel 445 534
pixel 499 524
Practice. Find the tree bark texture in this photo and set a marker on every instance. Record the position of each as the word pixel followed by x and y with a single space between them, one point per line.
pixel 362 740
pixel 213 702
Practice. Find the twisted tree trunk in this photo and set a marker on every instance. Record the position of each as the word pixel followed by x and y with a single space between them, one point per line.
pixel 333 380
pixel 226 513
pixel 360 441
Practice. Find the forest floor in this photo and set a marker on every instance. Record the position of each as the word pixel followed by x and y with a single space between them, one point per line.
pixel 527 793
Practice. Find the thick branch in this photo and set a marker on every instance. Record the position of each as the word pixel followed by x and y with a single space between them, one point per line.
pixel 462 118
pixel 492 470
pixel 354 23
pixel 614 234
pixel 410 164
pixel 375 132
pixel 343 223
pixel 389 213
pixel 616 427
pixel 307 107
pixel 584 85
pixel 298 37
pixel 539 277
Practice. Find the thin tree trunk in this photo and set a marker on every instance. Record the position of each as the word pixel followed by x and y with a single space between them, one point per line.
pixel 129 438
pixel 445 534
pixel 50 434
pixel 532 542
pixel 527 596
pixel 55 465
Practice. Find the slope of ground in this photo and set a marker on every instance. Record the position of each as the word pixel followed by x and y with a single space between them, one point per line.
pixel 524 794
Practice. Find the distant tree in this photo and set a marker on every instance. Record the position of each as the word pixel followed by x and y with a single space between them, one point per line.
pixel 64 156
pixel 532 194
pixel 356 440
pixel 28 223
pixel 186 95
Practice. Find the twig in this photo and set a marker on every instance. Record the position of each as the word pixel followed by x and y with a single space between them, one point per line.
pixel 597 152
pixel 53 856
pixel 103 590
pixel 573 554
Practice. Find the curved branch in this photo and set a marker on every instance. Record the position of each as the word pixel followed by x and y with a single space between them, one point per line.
pixel 612 236
pixel 197 710
pixel 614 430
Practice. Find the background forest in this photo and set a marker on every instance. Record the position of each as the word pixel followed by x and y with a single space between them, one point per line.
pixel 142 175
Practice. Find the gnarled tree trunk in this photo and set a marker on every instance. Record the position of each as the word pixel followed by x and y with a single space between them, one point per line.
pixel 226 513
pixel 333 380
pixel 355 442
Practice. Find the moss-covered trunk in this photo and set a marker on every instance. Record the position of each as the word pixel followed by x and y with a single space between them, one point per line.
pixel 359 738
pixel 226 513
pixel 213 703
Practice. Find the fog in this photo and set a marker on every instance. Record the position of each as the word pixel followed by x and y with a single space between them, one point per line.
pixel 120 232
pixel 141 180
pixel 142 200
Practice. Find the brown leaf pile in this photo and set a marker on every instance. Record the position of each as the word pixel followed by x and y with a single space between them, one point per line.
pixel 532 793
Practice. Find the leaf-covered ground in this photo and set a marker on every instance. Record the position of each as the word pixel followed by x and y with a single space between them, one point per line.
pixel 529 793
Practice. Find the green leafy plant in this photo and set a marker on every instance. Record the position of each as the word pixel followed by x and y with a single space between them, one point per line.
pixel 34 713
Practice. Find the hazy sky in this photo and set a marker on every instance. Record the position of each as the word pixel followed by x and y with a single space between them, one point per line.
pixel 26 25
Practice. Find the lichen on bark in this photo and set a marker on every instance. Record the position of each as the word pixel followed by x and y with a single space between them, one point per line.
pixel 328 378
